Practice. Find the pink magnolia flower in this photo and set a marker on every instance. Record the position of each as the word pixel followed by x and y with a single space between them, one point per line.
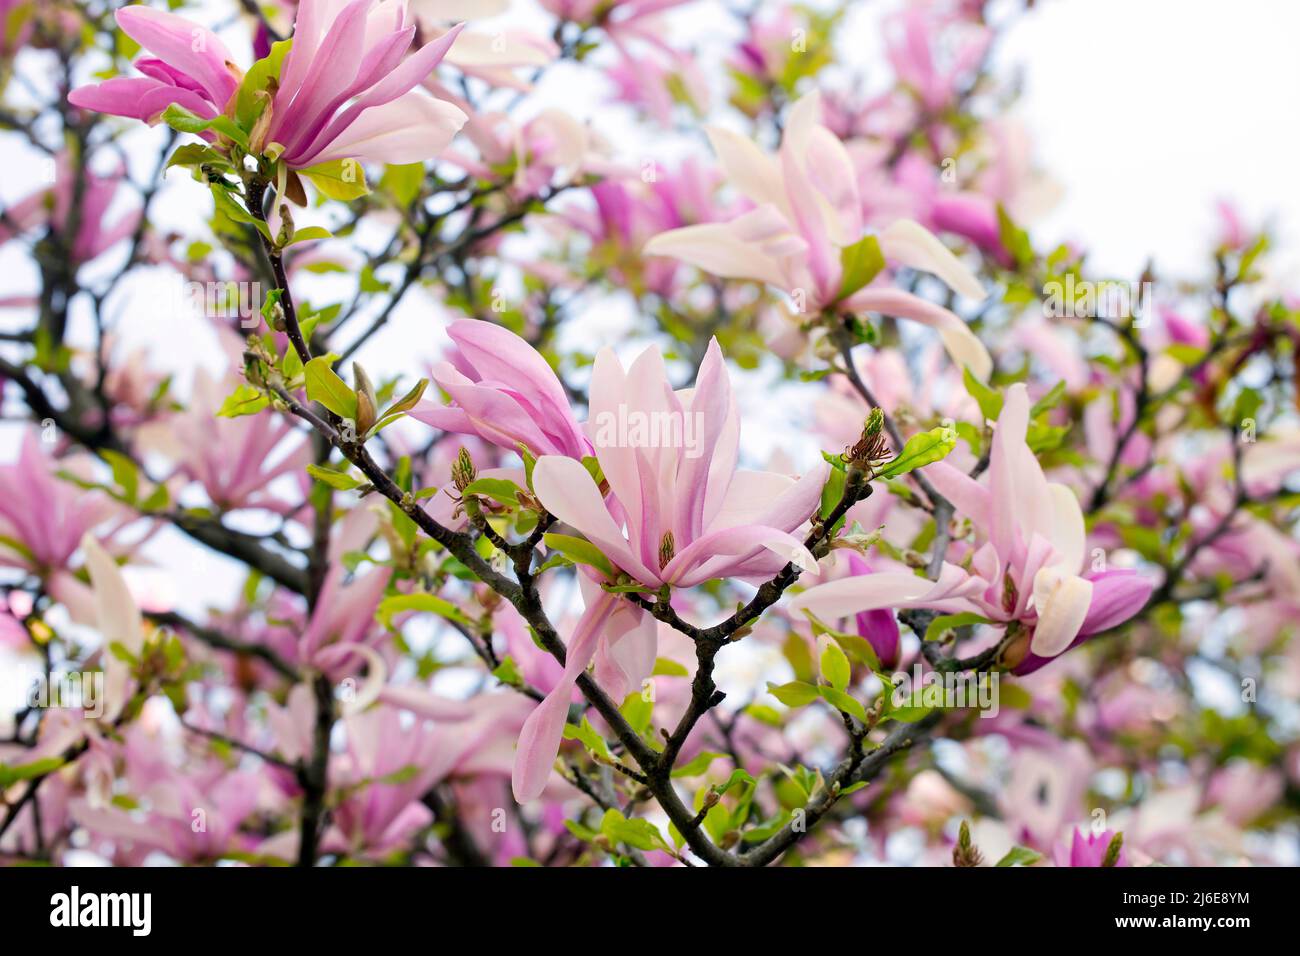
pixel 97 231
pixel 629 211
pixel 42 517
pixel 1026 570
pixel 1087 850
pixel 503 391
pixel 346 87
pixel 236 459
pixel 807 211
pixel 912 42
pixel 550 147
pixel 678 513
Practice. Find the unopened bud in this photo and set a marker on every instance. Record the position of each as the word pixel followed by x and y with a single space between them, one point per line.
pixel 367 403
pixel 1113 851
pixel 287 229
pixel 463 472
pixel 965 853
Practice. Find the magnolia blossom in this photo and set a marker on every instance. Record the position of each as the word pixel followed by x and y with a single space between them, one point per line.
pixel 43 518
pixel 1090 850
pixel 1026 571
pixel 97 230
pixel 236 459
pixel 504 392
pixel 807 213
pixel 345 86
pixel 674 515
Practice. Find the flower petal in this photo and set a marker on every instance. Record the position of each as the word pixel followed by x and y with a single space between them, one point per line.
pixel 1062 603
pixel 916 247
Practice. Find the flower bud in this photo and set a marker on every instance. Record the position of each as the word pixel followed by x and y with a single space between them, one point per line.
pixel 463 472
pixel 367 404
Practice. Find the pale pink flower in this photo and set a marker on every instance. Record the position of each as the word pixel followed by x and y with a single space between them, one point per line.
pixel 807 211
pixel 678 513
pixel 1027 566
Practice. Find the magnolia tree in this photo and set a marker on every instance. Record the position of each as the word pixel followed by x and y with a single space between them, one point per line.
pixel 721 472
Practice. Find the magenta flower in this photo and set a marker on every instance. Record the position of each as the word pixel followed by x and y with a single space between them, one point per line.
pixel 346 87
pixel 43 517
pixel 1026 568
pixel 807 211
pixel 1087 850
pixel 236 459
pixel 503 391
pixel 678 513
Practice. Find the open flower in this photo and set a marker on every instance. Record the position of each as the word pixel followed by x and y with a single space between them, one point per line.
pixel 345 87
pixel 677 513
pixel 1026 571
pixel 807 218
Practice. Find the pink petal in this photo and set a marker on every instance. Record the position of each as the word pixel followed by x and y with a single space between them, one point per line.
pixel 410 129
pixel 182 44
pixel 539 738
pixel 566 490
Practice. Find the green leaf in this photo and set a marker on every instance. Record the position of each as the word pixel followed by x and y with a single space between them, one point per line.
pixel 738 778
pixel 226 206
pixel 245 400
pixel 835 666
pixel 501 489
pixel 125 474
pixel 307 235
pixel 794 694
pixel 833 490
pixel 335 479
pixel 842 701
pixel 325 386
pixel 1049 401
pixel 587 736
pixel 946 621
pixel 859 264
pixel 1019 856
pixel 342 179
pixel 430 603
pixel 921 449
pixel 409 400
pixel 637 833
pixel 698 765
pixel 194 155
pixel 403 182
pixel 1014 239
pixel 988 399
pixel 183 121
pixel 669 668
pixel 908 713
pixel 637 711
pixel 11 774
pixel 248 105
pixel 580 551
pixel 508 673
